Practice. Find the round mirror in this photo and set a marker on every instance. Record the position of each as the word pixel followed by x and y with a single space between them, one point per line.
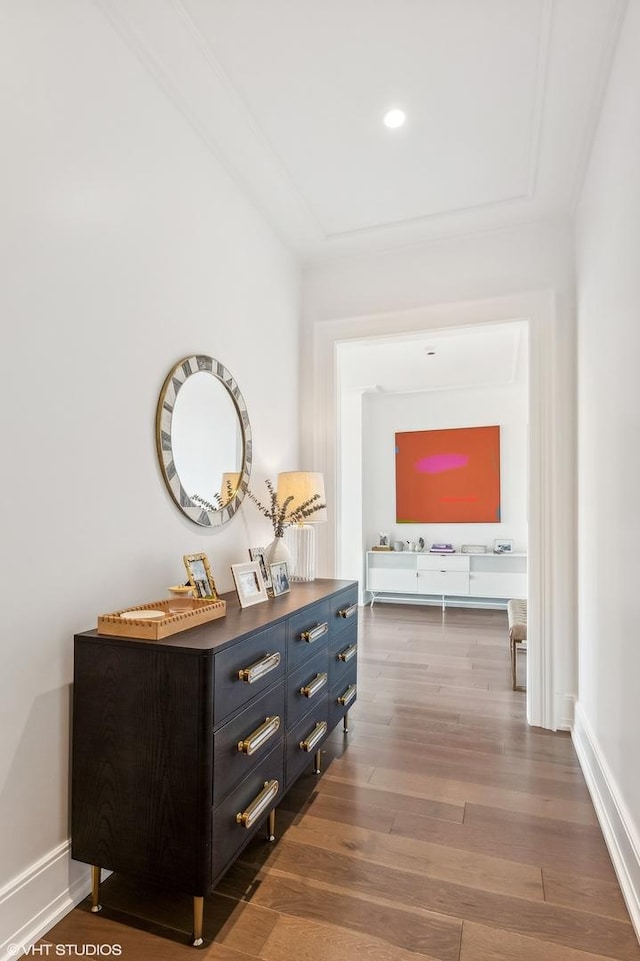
pixel 203 439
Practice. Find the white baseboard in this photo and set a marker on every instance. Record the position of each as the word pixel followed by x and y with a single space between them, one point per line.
pixel 32 902
pixel 617 827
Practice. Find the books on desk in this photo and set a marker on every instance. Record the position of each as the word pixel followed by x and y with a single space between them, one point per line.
pixel 441 549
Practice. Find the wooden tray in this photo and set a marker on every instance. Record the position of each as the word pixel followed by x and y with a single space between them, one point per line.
pixel 154 630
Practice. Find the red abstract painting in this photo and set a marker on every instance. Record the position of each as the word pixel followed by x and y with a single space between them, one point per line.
pixel 448 476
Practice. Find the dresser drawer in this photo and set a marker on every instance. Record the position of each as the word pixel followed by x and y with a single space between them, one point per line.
pixel 343 654
pixel 248 669
pixel 305 738
pixel 343 696
pixel 230 834
pixel 306 686
pixel 343 610
pixel 307 632
pixel 242 742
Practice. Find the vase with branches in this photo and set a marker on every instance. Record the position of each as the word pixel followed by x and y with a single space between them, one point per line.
pixel 283 515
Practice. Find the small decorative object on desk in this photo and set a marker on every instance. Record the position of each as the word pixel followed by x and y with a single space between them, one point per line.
pixel 280 578
pixel 502 545
pixel 249 584
pixel 473 549
pixel 258 554
pixel 200 576
pixel 383 539
pixel 441 549
pixel 282 516
pixel 155 620
pixel 421 543
pixel 181 598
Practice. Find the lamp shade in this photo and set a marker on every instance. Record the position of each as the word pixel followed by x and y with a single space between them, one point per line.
pixel 302 486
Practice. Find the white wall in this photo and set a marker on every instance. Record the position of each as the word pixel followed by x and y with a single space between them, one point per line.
pixel 125 247
pixel 608 288
pixel 384 414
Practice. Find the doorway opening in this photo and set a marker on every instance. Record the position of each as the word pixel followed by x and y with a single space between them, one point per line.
pixel 551 531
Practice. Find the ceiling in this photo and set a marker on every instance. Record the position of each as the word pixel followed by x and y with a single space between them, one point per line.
pixel 502 98
pixel 490 355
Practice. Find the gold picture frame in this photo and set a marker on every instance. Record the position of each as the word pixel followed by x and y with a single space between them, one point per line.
pixel 200 576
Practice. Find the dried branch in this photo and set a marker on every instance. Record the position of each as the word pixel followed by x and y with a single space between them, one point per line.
pixel 280 515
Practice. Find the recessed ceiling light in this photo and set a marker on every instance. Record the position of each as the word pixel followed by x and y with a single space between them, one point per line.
pixel 394 118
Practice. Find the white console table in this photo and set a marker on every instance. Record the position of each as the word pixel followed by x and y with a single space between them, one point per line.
pixel 467 580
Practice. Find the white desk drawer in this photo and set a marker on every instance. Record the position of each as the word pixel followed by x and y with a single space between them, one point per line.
pixel 382 579
pixel 443 582
pixel 443 562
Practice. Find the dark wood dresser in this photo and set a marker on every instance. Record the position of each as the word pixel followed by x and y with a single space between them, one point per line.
pixel 183 747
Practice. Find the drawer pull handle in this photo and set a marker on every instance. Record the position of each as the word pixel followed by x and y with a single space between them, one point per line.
pixel 348 695
pixel 260 736
pixel 314 633
pixel 316 685
pixel 348 611
pixel 258 806
pixel 348 653
pixel 255 671
pixel 315 737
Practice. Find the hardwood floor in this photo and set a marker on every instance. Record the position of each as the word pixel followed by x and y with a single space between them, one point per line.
pixel 442 828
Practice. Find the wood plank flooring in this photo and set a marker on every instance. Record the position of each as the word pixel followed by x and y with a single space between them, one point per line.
pixel 442 829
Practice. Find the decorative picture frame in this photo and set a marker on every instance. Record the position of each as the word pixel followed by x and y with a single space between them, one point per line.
pixel 249 584
pixel 200 576
pixel 503 545
pixel 280 578
pixel 258 554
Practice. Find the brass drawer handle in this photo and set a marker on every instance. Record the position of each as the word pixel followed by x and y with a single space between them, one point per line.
pixel 348 695
pixel 348 611
pixel 348 653
pixel 258 806
pixel 314 633
pixel 260 736
pixel 315 737
pixel 255 671
pixel 316 685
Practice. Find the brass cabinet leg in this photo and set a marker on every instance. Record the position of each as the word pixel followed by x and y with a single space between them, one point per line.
pixel 345 723
pixel 271 832
pixel 317 758
pixel 95 889
pixel 198 914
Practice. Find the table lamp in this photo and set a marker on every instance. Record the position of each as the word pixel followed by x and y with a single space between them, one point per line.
pixel 300 538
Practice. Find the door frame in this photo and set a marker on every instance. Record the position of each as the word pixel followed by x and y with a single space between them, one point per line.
pixel 551 581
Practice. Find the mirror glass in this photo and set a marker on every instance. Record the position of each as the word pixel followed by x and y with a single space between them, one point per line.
pixel 204 440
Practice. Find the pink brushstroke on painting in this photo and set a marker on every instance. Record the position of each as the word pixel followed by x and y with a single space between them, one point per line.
pixel 441 462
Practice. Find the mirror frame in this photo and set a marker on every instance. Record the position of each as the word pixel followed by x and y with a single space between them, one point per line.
pixel 175 380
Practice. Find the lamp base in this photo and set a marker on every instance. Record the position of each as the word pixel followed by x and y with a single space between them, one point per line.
pixel 301 541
